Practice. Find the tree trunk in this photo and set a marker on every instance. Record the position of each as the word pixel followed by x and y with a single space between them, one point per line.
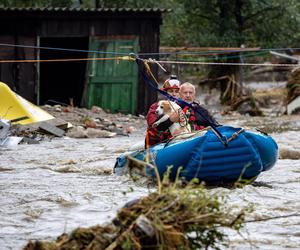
pixel 224 26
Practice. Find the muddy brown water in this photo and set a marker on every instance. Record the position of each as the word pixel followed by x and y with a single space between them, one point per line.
pixel 56 186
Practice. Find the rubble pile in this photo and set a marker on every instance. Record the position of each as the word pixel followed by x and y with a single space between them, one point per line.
pixel 79 123
pixel 95 122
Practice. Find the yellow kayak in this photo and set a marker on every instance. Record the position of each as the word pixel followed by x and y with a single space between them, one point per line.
pixel 14 107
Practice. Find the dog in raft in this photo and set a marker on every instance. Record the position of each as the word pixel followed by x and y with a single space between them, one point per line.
pixel 165 109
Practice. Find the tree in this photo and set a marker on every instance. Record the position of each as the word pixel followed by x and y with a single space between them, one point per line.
pixel 236 22
pixel 35 3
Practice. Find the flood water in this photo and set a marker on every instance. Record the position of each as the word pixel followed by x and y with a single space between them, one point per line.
pixel 54 187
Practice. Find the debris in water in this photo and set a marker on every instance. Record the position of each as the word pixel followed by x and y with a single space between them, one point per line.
pixel 175 218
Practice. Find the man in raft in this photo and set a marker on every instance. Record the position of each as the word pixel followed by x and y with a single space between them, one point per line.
pixel 187 93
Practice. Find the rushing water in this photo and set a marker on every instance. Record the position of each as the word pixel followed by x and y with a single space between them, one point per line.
pixel 54 187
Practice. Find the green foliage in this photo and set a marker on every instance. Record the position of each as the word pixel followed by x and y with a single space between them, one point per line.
pixel 36 3
pixel 236 22
pixel 274 23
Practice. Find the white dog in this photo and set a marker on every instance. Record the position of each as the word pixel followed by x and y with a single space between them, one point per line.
pixel 165 109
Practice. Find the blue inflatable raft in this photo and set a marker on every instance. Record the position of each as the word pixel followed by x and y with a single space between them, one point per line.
pixel 206 157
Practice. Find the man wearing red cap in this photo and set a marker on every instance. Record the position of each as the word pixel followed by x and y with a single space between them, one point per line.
pixel 161 133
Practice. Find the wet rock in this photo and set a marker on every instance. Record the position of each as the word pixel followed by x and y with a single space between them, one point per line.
pixel 289 153
pixel 246 108
pixel 89 123
pixel 80 132
pixel 28 140
pixel 119 125
pixel 98 133
pixel 58 109
pixel 67 169
pixel 130 129
pixel 118 131
pixel 107 122
pixel 66 109
pixel 123 119
pixel 97 110
pixel 77 132
pixel 3 169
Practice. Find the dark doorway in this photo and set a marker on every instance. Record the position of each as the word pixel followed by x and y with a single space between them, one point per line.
pixel 62 81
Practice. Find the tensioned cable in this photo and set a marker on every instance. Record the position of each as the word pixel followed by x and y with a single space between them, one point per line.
pixel 128 58
pixel 220 51
pixel 115 53
pixel 214 57
pixel 228 64
pixel 125 53
pixel 62 49
pixel 68 60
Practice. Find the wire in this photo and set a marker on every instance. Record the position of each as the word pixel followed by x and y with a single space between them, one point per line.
pixel 213 57
pixel 67 60
pixel 128 58
pixel 62 49
pixel 230 64
pixel 223 51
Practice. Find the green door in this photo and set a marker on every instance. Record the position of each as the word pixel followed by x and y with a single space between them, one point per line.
pixel 112 84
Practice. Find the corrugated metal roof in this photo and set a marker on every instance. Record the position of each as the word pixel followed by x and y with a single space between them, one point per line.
pixel 65 9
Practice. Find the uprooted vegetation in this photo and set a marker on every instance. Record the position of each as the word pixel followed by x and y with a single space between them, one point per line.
pixel 171 218
pixel 293 85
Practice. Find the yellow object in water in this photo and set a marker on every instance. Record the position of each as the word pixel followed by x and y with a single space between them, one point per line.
pixel 13 106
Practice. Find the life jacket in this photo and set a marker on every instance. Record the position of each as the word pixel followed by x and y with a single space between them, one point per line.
pixel 190 115
pixel 154 136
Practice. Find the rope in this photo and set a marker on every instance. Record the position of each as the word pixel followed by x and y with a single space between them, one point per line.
pixel 229 64
pixel 128 58
pixel 61 49
pixel 68 60
pixel 147 54
pixel 221 51
pixel 214 56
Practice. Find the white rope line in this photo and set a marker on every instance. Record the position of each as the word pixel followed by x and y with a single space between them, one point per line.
pixel 229 64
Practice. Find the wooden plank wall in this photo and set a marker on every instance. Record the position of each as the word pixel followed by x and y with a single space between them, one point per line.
pixel 22 77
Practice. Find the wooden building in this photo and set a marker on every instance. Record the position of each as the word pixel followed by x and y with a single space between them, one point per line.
pixel 59 41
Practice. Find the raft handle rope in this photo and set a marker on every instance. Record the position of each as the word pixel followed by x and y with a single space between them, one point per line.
pixel 235 135
pixel 261 131
pixel 187 135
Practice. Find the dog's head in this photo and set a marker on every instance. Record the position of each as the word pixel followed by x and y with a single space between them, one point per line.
pixel 163 108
